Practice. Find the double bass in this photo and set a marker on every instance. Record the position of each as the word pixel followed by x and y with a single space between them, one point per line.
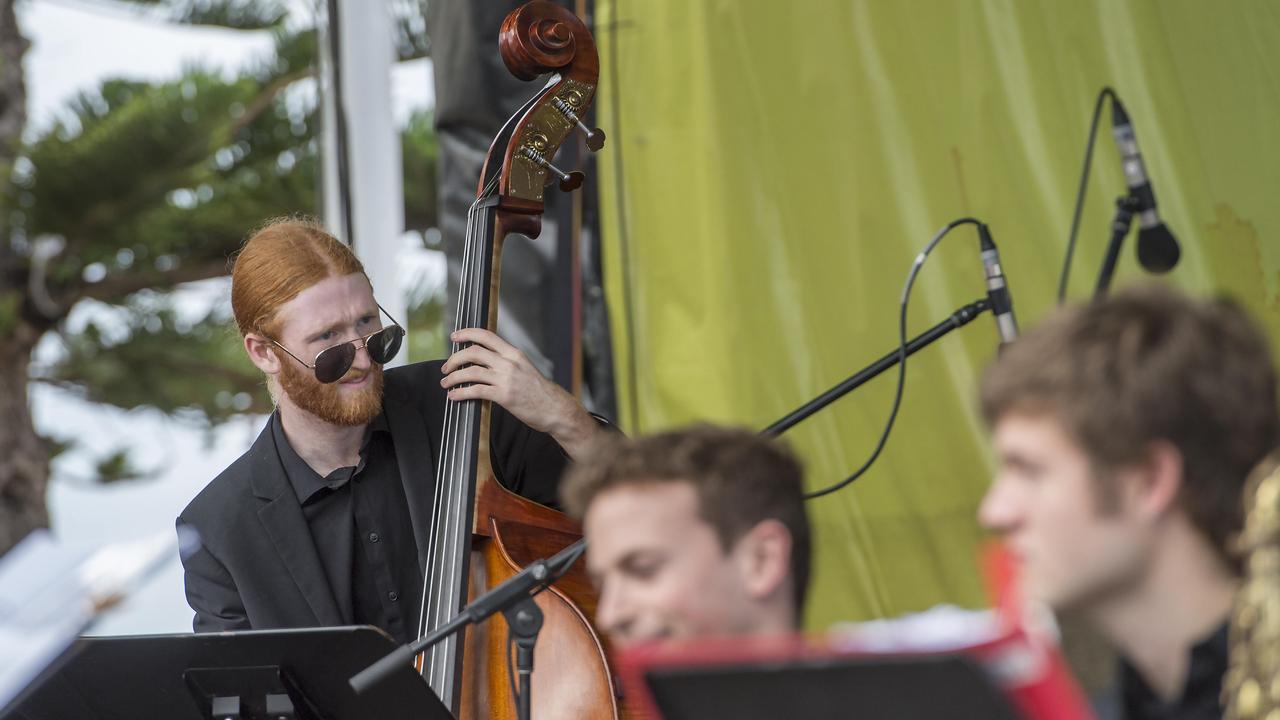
pixel 482 533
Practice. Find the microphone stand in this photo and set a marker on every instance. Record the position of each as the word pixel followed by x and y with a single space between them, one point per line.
pixel 1125 206
pixel 514 599
pixel 958 319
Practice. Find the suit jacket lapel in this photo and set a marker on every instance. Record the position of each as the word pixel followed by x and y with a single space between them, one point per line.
pixel 414 450
pixel 282 518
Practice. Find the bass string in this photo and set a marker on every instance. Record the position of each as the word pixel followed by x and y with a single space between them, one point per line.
pixel 434 583
pixel 443 586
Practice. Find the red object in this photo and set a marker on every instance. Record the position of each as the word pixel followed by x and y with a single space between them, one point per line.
pixel 1034 676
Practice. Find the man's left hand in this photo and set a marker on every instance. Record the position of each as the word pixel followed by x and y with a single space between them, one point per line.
pixel 493 369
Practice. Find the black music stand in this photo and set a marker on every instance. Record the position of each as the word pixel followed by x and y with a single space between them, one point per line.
pixel 932 687
pixel 249 675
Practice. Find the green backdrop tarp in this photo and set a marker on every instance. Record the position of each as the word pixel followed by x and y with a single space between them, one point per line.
pixel 774 167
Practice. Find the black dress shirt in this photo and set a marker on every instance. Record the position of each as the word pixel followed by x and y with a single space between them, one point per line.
pixel 1200 699
pixel 359 522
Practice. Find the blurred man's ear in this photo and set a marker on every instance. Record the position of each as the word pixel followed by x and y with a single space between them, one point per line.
pixel 1158 479
pixel 764 558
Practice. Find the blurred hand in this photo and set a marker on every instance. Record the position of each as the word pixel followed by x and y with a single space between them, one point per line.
pixel 493 369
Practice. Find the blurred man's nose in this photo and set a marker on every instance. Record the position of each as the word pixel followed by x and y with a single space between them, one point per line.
pixel 611 615
pixel 998 510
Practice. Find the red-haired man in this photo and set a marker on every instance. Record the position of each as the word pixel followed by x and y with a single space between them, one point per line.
pixel 319 522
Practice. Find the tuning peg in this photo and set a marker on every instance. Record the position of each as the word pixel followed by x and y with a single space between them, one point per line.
pixel 594 136
pixel 572 181
pixel 569 181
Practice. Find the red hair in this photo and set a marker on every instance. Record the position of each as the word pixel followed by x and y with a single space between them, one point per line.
pixel 281 259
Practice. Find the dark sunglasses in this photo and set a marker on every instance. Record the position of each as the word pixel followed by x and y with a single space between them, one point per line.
pixel 334 362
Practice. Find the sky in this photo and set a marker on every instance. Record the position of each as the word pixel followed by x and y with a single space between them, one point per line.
pixel 74 45
pixel 77 43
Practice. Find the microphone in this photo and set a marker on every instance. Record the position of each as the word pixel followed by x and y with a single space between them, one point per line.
pixel 530 581
pixel 997 288
pixel 1158 251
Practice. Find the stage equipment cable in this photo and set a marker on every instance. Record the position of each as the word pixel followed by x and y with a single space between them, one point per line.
pixel 1084 181
pixel 902 356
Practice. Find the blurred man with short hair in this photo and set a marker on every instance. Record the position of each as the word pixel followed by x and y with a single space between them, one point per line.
pixel 693 533
pixel 1124 430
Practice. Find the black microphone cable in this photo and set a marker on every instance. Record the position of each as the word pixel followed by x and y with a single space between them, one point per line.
pixel 902 355
pixel 1106 92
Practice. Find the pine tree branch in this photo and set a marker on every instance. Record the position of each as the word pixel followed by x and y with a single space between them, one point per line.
pixel 115 288
pixel 107 213
pixel 184 366
pixel 263 100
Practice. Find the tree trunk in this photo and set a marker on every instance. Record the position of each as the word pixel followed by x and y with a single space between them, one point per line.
pixel 24 458
pixel 13 89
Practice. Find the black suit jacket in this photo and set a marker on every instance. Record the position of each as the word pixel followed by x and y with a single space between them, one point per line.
pixel 256 565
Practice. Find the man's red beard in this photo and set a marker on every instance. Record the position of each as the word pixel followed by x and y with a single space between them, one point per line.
pixel 323 399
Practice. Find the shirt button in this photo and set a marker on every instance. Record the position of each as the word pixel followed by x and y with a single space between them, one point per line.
pixel 373 537
pixel 392 596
